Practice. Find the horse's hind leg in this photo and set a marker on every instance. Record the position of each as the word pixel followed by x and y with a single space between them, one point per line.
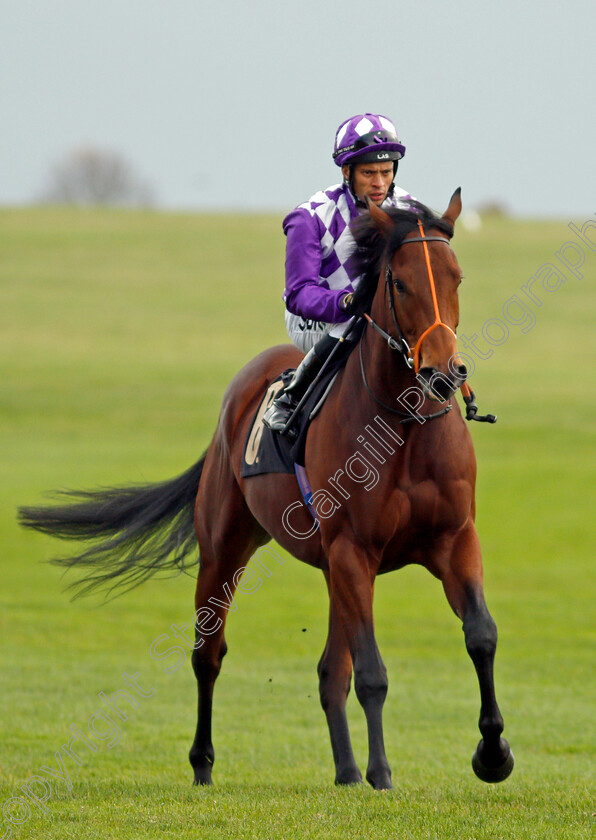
pixel 335 675
pixel 228 536
pixel 493 759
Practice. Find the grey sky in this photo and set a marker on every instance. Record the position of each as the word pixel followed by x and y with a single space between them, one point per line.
pixel 234 104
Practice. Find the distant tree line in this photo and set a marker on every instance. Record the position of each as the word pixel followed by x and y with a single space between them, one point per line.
pixel 89 175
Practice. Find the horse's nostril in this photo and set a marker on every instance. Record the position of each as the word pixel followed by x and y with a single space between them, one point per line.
pixel 462 371
pixel 438 385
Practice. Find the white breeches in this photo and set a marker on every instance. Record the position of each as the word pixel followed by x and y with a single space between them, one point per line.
pixel 304 332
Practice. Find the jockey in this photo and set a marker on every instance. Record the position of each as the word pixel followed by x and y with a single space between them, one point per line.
pixel 320 275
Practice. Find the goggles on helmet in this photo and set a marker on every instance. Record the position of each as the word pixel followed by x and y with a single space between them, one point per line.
pixel 380 145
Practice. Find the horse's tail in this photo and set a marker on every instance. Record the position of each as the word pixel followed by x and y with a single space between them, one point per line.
pixel 132 532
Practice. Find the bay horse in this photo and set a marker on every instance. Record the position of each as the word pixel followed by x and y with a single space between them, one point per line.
pixel 409 499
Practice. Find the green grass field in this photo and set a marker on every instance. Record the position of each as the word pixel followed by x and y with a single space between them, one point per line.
pixel 119 332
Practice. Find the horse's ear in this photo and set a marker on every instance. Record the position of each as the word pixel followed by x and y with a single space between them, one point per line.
pixel 451 214
pixel 381 219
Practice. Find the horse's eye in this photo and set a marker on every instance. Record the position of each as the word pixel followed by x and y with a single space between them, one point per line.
pixel 399 286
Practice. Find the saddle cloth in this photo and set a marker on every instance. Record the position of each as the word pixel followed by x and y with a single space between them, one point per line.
pixel 269 452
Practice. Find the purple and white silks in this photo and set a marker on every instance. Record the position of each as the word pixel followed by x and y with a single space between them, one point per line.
pixel 320 266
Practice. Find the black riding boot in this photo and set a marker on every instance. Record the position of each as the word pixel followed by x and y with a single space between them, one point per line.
pixel 280 410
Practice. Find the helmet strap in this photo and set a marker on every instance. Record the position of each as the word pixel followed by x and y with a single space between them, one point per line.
pixel 350 182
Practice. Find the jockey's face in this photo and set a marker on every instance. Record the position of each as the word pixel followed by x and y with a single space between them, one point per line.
pixel 371 179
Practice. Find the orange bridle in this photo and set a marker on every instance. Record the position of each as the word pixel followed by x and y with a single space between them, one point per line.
pixel 412 357
pixel 437 322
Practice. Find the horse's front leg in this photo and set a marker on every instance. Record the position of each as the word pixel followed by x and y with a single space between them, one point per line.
pixel 351 576
pixel 462 580
pixel 335 676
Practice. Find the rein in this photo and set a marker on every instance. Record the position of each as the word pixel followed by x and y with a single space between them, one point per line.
pixel 405 418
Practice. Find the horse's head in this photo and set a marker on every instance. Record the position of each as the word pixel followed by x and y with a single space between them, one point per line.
pixel 411 279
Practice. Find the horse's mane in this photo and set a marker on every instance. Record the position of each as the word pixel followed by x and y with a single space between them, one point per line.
pixel 373 248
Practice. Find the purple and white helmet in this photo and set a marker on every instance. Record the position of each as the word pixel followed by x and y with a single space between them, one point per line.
pixel 366 138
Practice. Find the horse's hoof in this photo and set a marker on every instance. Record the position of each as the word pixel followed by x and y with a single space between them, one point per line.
pixel 488 771
pixel 203 776
pixel 380 779
pixel 351 776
